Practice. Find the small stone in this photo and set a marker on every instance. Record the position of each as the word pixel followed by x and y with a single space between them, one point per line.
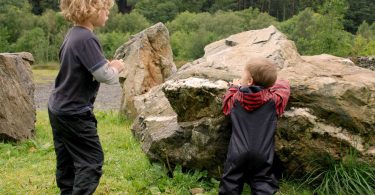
pixel 196 191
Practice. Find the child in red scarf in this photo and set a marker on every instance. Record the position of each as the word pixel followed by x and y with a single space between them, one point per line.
pixel 253 103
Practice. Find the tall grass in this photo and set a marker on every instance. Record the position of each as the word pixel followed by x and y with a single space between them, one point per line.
pixel 344 177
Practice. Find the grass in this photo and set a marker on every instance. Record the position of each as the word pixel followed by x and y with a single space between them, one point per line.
pixel 44 76
pixel 347 176
pixel 28 167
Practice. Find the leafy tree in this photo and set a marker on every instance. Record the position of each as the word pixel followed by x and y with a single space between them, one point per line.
pixel 133 22
pixel 39 6
pixel 17 19
pixel 4 35
pixel 191 32
pixel 254 19
pixel 189 45
pixel 359 11
pixel 187 21
pixel 111 41
pixel 123 6
pixel 6 4
pixel 157 10
pixel 365 31
pixel 55 28
pixel 224 23
pixel 33 41
pixel 315 33
pixel 224 5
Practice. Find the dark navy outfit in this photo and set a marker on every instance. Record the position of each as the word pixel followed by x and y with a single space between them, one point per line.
pixel 253 112
pixel 79 153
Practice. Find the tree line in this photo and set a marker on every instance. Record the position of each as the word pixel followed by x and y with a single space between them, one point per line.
pixel 316 26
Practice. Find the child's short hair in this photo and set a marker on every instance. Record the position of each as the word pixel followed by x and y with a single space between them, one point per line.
pixel 263 71
pixel 77 11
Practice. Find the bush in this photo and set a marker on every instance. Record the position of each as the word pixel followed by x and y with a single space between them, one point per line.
pixel 157 10
pixel 314 34
pixel 4 35
pixel 347 176
pixel 189 45
pixel 363 46
pixel 111 41
pixel 33 41
pixel 254 19
pixel 191 32
pixel 126 23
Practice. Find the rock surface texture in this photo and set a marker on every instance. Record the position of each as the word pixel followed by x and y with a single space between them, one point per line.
pixel 17 109
pixel 331 109
pixel 149 61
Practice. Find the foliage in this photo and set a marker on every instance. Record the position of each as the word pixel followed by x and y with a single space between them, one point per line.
pixel 33 41
pixel 315 30
pixel 4 36
pixel 125 23
pixel 359 11
pixel 157 10
pixel 189 45
pixel 315 33
pixel 111 41
pixel 190 32
pixel 347 176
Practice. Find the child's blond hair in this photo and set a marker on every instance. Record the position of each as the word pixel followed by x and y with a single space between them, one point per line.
pixel 78 11
pixel 263 71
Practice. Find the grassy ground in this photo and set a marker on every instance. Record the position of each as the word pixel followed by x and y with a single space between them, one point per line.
pixel 28 167
pixel 44 76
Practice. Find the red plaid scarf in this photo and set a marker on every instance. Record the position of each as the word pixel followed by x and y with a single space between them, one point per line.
pixel 279 93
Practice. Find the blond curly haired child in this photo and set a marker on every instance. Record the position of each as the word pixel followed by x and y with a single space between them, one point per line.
pixel 79 154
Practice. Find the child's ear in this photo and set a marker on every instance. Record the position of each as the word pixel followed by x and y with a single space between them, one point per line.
pixel 251 80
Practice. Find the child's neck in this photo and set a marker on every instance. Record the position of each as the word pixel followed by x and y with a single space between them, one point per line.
pixel 88 25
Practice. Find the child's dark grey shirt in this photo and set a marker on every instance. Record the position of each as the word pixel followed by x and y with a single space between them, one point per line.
pixel 75 87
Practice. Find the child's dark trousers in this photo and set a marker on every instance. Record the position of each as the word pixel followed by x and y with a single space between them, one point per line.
pixel 251 151
pixel 79 153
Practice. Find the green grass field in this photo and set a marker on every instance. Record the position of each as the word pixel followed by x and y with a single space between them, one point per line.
pixel 28 167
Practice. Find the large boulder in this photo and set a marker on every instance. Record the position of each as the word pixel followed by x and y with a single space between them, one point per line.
pixel 17 109
pixel 149 61
pixel 331 109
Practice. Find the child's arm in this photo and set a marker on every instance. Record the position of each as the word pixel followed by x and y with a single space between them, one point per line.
pixel 228 98
pixel 280 94
pixel 109 72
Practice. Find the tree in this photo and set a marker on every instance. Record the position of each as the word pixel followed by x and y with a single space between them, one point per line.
pixel 365 31
pixel 123 6
pixel 35 42
pixel 4 35
pixel 111 41
pixel 316 33
pixel 133 22
pixel 359 10
pixel 39 6
pixel 157 10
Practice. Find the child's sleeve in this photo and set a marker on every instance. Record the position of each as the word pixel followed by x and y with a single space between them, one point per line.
pixel 280 94
pixel 228 99
pixel 91 55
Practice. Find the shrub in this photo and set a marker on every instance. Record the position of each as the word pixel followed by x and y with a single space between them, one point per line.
pixel 349 175
pixel 111 41
pixel 126 23
pixel 33 41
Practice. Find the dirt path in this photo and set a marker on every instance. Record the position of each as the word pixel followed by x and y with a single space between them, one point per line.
pixel 109 96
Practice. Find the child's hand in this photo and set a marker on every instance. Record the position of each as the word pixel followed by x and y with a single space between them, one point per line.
pixel 235 82
pixel 119 65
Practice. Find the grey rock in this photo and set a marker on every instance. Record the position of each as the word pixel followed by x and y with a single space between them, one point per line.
pixel 17 108
pixel 331 109
pixel 149 61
